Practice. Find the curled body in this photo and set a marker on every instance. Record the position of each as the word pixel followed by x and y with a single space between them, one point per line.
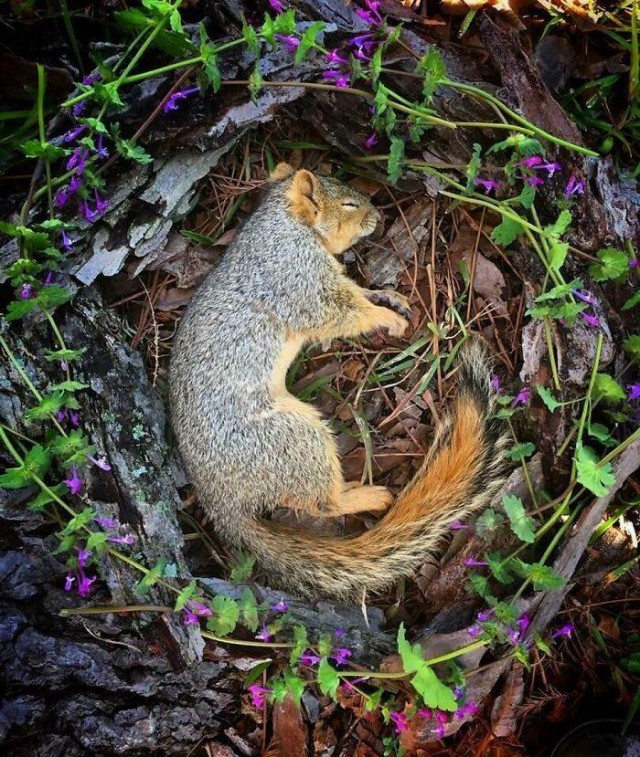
pixel 250 447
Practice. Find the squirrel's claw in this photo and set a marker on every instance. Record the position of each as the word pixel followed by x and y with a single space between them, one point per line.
pixel 391 299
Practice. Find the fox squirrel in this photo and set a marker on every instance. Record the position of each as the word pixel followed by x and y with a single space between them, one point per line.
pixel 250 446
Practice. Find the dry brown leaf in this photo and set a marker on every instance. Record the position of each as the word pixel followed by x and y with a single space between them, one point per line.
pixel 503 712
pixel 289 730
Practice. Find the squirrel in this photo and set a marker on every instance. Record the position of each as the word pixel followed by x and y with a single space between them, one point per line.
pixel 249 446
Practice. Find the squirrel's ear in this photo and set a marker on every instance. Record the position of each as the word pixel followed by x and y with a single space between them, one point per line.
pixel 281 172
pixel 306 196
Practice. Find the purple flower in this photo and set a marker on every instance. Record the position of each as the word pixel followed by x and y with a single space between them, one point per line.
pixel 26 292
pixel 399 720
pixel 575 186
pixel 77 109
pixel 361 54
pixel 441 717
pixel 190 617
pixel 531 162
pixel 109 524
pixel 309 659
pixel 61 415
pixel 468 708
pixel 83 557
pixel 100 462
pixel 75 184
pixel 78 160
pixel 425 713
pixel 172 102
pixel 458 692
pixel 101 150
pixel 522 397
pixel 535 181
pixel 488 184
pixel 127 540
pixel 371 15
pixel 84 585
pixel 74 483
pixel 457 525
pixel 474 631
pixel 564 631
pixel 339 633
pixel 264 635
pixel 341 655
pixel 276 5
pixel 365 41
pixel 69 580
pixel 101 204
pixel 523 622
pixel 634 392
pixel 199 609
pixel 339 80
pixel 258 693
pixel 61 197
pixel 74 418
pixel 591 320
pixel 91 78
pixel 584 295
pixel 634 262
pixel 334 57
pixel 484 615
pixel 371 141
pixel 72 135
pixel 290 42
pixel 281 606
pixel 550 168
pixel 63 365
pixel 495 384
pixel 513 635
pixel 88 214
pixel 349 685
pixel 67 242
pixel 473 563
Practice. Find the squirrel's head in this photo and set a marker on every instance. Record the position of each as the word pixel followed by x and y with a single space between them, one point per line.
pixel 338 214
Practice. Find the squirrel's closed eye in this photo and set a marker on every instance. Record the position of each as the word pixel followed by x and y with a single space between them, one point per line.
pixel 350 204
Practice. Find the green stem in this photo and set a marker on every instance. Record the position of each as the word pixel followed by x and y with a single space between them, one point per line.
pixel 481 93
pixel 42 85
pixel 552 355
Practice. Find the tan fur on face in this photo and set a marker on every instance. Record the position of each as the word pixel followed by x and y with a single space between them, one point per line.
pixel 339 214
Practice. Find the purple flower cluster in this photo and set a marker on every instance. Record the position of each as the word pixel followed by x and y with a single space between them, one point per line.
pixel 370 14
pixel 534 170
pixel 258 695
pixel 176 97
pixel 78 577
pixel 194 611
pixel 514 632
pixel 522 397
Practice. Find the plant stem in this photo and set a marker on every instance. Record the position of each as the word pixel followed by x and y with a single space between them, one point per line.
pixel 42 85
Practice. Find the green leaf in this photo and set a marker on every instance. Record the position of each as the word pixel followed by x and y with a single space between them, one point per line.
pixel 499 569
pixel 563 222
pixel 541 644
pixel 520 451
pixel 79 521
pixel 48 152
pixel 527 196
pixel 542 576
pixel 562 290
pixel 48 406
pixel 243 566
pixel 19 308
pixel 251 38
pixel 612 264
pixel 225 617
pixel 185 595
pixel 600 432
pixel 35 463
pixel 55 356
pixel 308 40
pixel 69 386
pixel 97 542
pixel 434 693
pixel 473 166
pixel 396 156
pixel 434 70
pixel 488 523
pixel 175 22
pixel 632 301
pixel 480 584
pixel 547 397
pixel 376 66
pixel 127 149
pixel 300 643
pixel 249 610
pixel 507 232
pixel 255 82
pixel 608 389
pixel 43 498
pixel 523 526
pixel 294 686
pixel 328 678
pixel 285 23
pixel 557 254
pixel 595 477
pixel 631 346
pixel 151 578
pixel 50 297
pixel 72 449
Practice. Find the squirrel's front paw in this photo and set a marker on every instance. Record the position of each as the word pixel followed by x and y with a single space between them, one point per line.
pixel 391 299
pixel 395 324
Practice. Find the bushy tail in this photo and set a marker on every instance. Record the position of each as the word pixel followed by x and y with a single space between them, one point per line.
pixel 463 471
